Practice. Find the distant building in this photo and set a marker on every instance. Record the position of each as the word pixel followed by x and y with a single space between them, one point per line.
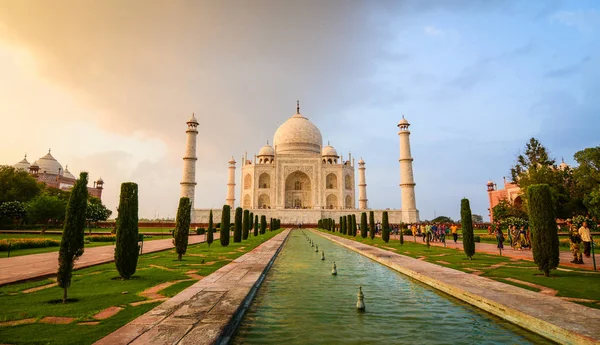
pixel 49 171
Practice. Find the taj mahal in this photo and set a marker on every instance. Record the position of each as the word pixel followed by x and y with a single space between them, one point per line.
pixel 298 180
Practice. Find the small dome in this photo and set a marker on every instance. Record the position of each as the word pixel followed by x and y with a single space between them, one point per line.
pixel 266 150
pixel 563 165
pixel 298 135
pixel 49 165
pixel 192 119
pixel 22 165
pixel 100 180
pixel 329 151
pixel 34 165
pixel 490 183
pixel 231 161
pixel 68 174
pixel 403 122
pixel 361 162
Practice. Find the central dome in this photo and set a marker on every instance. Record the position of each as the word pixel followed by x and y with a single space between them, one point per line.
pixel 298 135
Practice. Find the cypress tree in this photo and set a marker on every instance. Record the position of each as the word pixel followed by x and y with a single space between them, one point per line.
pixel 210 235
pixel 319 223
pixel 256 225
pixel 333 225
pixel 182 226
pixel 349 225
pixel 71 243
pixel 237 230
pixel 371 224
pixel 127 248
pixel 225 221
pixel 385 227
pixel 263 224
pixel 401 234
pixel 544 239
pixel 363 225
pixel 270 224
pixel 250 221
pixel 354 225
pixel 341 225
pixel 245 224
pixel 345 225
pixel 467 228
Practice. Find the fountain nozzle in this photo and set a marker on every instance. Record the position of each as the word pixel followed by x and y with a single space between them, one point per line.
pixel 360 304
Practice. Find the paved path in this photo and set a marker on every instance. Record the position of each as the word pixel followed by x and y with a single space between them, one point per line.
pixel 564 322
pixel 489 248
pixel 25 267
pixel 208 311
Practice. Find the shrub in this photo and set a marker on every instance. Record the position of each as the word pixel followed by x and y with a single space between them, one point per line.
pixel 25 243
pixel 200 231
pixel 407 232
pixel 225 216
pixel 476 239
pixel 237 228
pixel 371 224
pixel 544 235
pixel 363 225
pixel 466 222
pixel 182 226
pixel 127 248
pixel 71 244
pixel 101 238
pixel 385 227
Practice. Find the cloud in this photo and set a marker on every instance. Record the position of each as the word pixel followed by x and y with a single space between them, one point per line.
pixel 434 32
pixel 587 21
pixel 567 70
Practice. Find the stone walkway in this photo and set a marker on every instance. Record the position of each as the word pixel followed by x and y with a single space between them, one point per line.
pixel 551 317
pixel 489 248
pixel 208 311
pixel 20 268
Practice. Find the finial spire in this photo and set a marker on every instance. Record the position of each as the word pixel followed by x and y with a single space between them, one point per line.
pixel 267 142
pixel 297 106
pixel 328 144
pixel 402 115
pixel 49 150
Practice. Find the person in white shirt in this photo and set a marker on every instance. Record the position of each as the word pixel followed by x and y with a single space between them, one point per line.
pixel 586 238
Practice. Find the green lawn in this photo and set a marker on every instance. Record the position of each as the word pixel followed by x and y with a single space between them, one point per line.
pixel 27 251
pixel 574 282
pixel 99 287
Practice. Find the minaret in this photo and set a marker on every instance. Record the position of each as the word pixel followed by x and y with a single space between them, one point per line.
pixel 362 186
pixel 407 182
pixel 231 184
pixel 188 183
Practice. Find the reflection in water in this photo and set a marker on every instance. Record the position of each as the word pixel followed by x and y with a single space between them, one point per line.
pixel 301 302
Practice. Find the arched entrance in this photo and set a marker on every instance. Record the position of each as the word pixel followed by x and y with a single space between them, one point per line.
pixel 298 191
pixel 332 202
pixel 348 202
pixel 264 201
pixel 246 202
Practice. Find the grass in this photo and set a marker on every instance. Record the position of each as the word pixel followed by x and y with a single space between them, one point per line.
pixel 28 251
pixel 575 283
pixel 99 287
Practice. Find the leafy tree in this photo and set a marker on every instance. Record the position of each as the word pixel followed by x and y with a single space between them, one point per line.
pixel 45 209
pixel 534 167
pixel 587 178
pixel 385 227
pixel 127 249
pixel 371 224
pixel 504 210
pixel 17 185
pixel 12 211
pixel 61 194
pixel 544 239
pixel 237 232
pixel 245 224
pixel 263 224
pixel 210 234
pixel 363 225
pixel 466 221
pixel 225 221
pixel 182 226
pixel 256 225
pixel 442 219
pixel 71 244
pixel 477 218
pixel 96 212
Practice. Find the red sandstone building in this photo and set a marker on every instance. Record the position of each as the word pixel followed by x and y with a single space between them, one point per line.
pixel 511 193
pixel 50 172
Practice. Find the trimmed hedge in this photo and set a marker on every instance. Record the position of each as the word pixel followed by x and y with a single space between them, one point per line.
pixel 101 238
pixel 25 243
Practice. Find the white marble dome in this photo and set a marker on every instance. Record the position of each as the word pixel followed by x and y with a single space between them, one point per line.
pixel 266 150
pixel 49 165
pixel 22 165
pixel 297 135
pixel 329 151
pixel 68 174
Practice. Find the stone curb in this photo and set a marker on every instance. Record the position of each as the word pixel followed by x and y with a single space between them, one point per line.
pixel 475 290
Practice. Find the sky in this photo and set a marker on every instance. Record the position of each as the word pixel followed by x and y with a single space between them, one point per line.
pixel 108 86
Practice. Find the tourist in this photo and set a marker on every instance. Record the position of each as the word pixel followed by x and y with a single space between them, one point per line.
pixel 586 237
pixel 515 235
pixel 434 232
pixel 523 237
pixel 575 238
pixel 454 230
pixel 500 238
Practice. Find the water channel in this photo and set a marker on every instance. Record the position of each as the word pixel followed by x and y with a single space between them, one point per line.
pixel 301 302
